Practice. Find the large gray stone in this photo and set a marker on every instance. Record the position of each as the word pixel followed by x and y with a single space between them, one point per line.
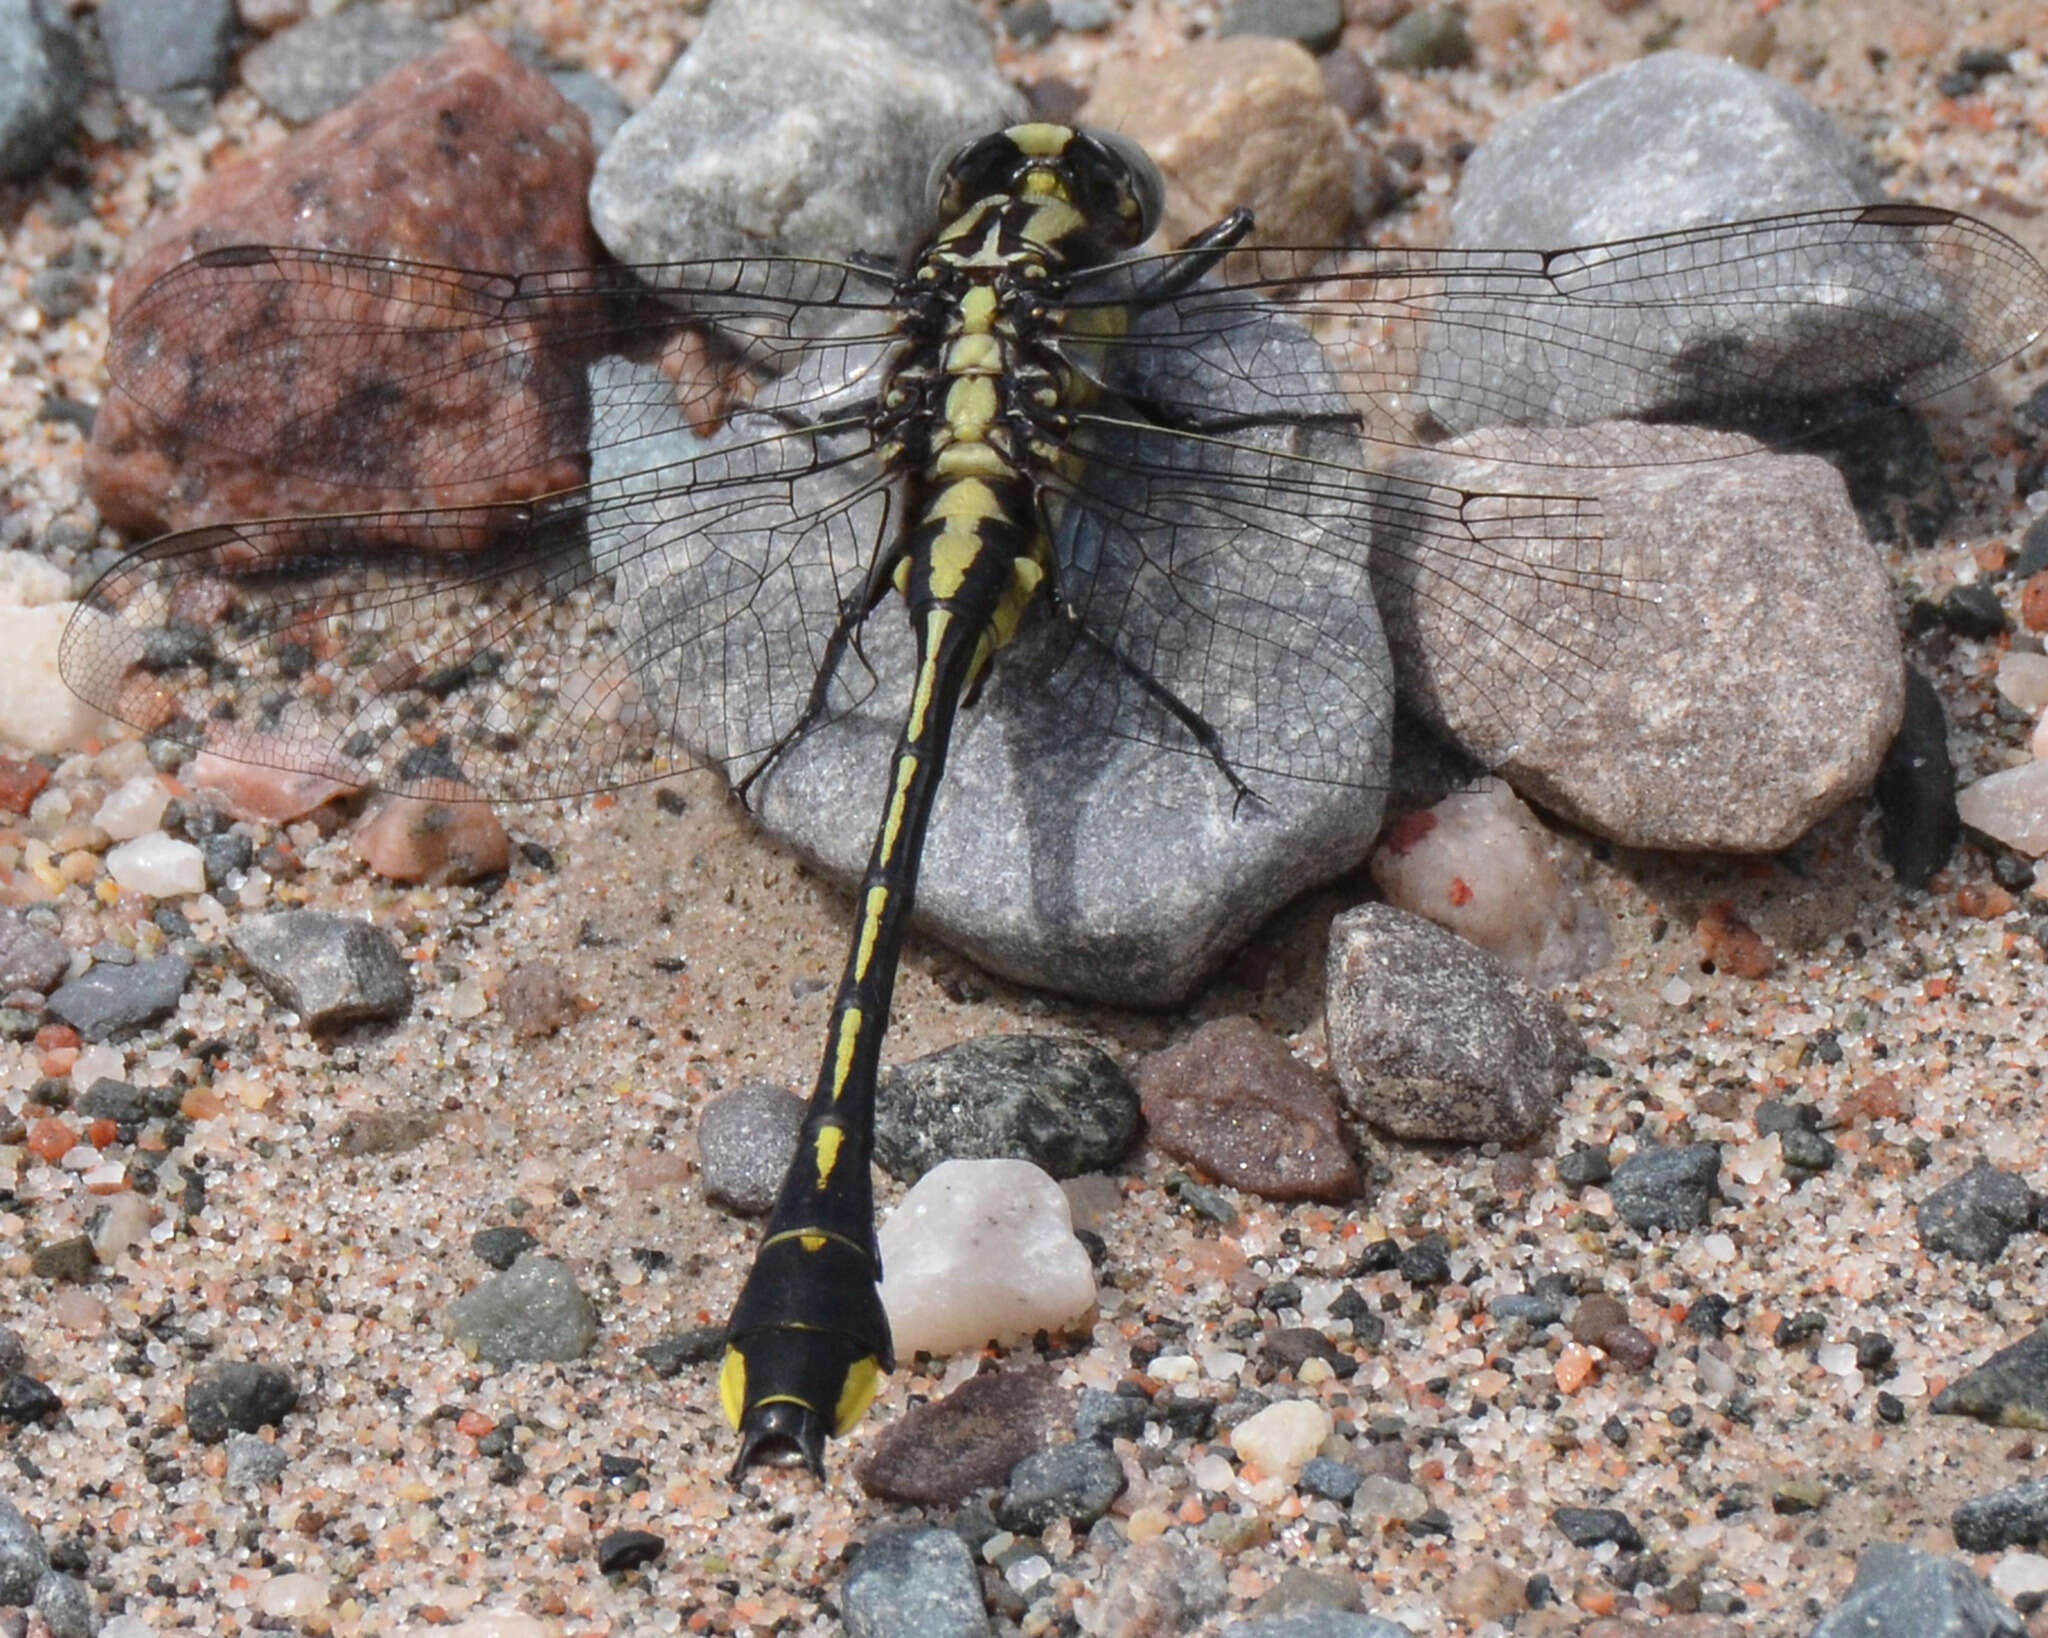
pixel 1715 671
pixel 914 1581
pixel 42 76
pixel 800 126
pixel 1901 1592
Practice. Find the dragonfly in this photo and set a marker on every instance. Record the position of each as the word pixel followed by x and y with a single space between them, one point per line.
pixel 1161 491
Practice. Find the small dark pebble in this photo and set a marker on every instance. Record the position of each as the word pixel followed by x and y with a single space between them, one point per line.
pixel 1874 1351
pixel 1630 1347
pixel 503 1246
pixel 1435 38
pixel 2016 1516
pixel 1291 1347
pixel 1596 1316
pixel 111 1001
pixel 1204 1201
pixel 1378 1257
pixel 1432 1521
pixel 1667 1187
pixel 623 1550
pixel 67 1259
pixel 117 1101
pixel 1973 611
pixel 1321 1476
pixel 1523 1305
pixel 1805 1150
pixel 1188 1417
pixel 1103 1416
pixel 1583 1168
pixel 237 1396
pixel 1801 1327
pixel 1074 1481
pixel 1538 1591
pixel 1708 1315
pixel 1891 1409
pixel 1427 1262
pixel 25 1399
pixel 1590 1526
pixel 1975 1216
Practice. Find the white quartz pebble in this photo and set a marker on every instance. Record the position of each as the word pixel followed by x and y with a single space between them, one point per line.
pixel 133 809
pixel 1281 1438
pixel 981 1251
pixel 159 865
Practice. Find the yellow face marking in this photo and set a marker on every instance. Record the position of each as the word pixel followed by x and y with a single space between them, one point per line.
pixel 870 924
pixel 829 1141
pixel 863 1380
pixel 732 1385
pixel 1038 139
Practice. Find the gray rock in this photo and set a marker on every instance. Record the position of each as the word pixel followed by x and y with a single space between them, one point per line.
pixel 1079 843
pixel 1316 1624
pixel 23 1558
pixel 30 959
pixel 1729 673
pixel 65 1606
pixel 1338 1481
pixel 800 125
pixel 1667 1187
pixel 237 1396
pixel 1435 37
pixel 255 1461
pixel 1103 1416
pixel 919 1581
pixel 1061 1104
pixel 157 47
pixel 320 63
pixel 2010 1389
pixel 1161 1586
pixel 1674 140
pixel 2016 1516
pixel 1976 1215
pixel 533 1311
pixel 109 1001
pixel 1075 1481
pixel 745 1140
pixel 1590 1526
pixel 1432 1038
pixel 331 970
pixel 1312 24
pixel 503 1246
pixel 42 78
pixel 1901 1592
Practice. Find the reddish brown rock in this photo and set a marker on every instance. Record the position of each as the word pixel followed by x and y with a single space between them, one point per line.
pixel 1732 945
pixel 1234 1101
pixel 257 789
pixel 20 779
pixel 939 1454
pixel 409 839
pixel 281 386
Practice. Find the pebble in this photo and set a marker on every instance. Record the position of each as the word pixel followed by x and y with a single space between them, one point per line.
pixel 253 790
pixel 1233 1100
pixel 503 1246
pixel 13 1351
pixel 255 1461
pixel 1237 120
pixel 65 1607
pixel 118 1225
pixel 1902 1592
pixel 537 999
pixel 410 839
pixel 26 1400
pixel 23 1559
pixel 1104 1416
pixel 1160 1588
pixel 160 47
pixel 1381 1496
pixel 317 65
pixel 1432 1038
pixel 621 1550
pixel 1715 728
pixel 2016 1516
pixel 331 970
pixel 745 1141
pixel 1061 1104
pixel 109 1001
pixel 1435 37
pixel 700 1345
pixel 1280 1439
pixel 333 184
pixel 1076 1481
pixel 2023 680
pixel 41 87
pixel 939 1453
pixel 535 1310
pixel 30 958
pixel 914 1580
pixel 1915 790
pixel 158 866
pixel 1590 1526
pixel 1667 1186
pixel 38 711
pixel 1977 1214
pixel 981 1250
pixel 294 1597
pixel 2020 1576
pixel 1316 1623
pixel 1312 24
pixel 237 1396
pixel 1482 864
pixel 2010 1389
pixel 2011 807
pixel 701 170
pixel 133 808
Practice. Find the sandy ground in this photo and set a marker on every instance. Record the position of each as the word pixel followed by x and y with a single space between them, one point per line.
pixel 339 1264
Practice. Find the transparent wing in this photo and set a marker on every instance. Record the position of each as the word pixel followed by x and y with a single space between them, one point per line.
pixel 390 649
pixel 1774 325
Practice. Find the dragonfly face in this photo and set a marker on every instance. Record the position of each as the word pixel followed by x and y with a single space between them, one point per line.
pixel 1137 476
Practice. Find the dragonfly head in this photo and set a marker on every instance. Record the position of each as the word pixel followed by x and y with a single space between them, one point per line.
pixel 1104 175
